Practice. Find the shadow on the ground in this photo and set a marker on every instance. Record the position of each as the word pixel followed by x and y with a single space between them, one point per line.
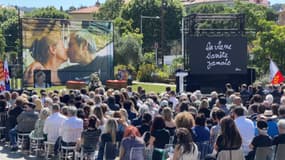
pixel 7 154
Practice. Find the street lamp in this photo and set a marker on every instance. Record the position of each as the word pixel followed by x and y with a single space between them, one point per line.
pixel 147 17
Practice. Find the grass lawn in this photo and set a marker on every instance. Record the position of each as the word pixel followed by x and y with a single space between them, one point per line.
pixel 149 87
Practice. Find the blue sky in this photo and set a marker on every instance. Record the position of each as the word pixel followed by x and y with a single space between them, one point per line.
pixel 67 3
pixel 57 3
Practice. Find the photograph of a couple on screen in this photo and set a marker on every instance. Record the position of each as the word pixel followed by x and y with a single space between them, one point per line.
pixel 70 50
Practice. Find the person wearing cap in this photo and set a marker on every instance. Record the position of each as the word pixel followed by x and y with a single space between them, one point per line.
pixel 25 123
pixel 245 127
pixel 261 140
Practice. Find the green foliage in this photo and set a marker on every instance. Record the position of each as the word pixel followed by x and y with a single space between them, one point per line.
pixel 149 58
pixel 269 43
pixel 2 44
pixel 109 10
pixel 176 64
pixel 151 73
pixel 6 13
pixel 277 7
pixel 145 73
pixel 151 27
pixel 123 26
pixel 11 31
pixel 131 69
pixel 127 49
pixel 48 12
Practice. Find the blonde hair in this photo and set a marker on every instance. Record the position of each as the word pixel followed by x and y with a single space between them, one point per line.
pixel 124 114
pixel 111 128
pixel 44 113
pixel 184 120
pixel 38 104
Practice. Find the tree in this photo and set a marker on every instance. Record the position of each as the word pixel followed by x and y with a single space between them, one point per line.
pixel 269 43
pixel 151 27
pixel 2 44
pixel 127 43
pixel 128 46
pixel 109 10
pixel 10 30
pixel 71 8
pixel 48 12
pixel 6 13
pixel 278 7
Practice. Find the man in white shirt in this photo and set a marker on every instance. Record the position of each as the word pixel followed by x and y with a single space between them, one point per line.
pixel 53 123
pixel 70 130
pixel 72 127
pixel 245 127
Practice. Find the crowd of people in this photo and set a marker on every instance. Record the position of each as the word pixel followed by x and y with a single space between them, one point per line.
pixel 244 120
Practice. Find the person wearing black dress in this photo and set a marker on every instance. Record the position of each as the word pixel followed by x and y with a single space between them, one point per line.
pixel 159 136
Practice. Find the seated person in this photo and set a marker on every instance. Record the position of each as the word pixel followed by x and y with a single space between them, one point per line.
pixel 280 139
pixel 26 123
pixel 202 132
pixel 71 130
pixel 52 122
pixel 38 132
pixel 262 140
pixel 132 138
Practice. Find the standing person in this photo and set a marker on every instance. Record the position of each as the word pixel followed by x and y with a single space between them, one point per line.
pixel 245 127
pixel 159 136
pixel 185 147
pixel 132 138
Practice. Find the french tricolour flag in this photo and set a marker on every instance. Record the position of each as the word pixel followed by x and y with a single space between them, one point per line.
pixel 276 76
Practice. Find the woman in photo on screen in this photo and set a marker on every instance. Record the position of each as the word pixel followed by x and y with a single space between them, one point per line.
pixel 40 80
pixel 49 53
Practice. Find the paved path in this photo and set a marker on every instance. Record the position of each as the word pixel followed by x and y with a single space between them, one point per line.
pixel 6 154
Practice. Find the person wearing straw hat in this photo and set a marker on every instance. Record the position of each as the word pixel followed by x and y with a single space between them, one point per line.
pixel 271 121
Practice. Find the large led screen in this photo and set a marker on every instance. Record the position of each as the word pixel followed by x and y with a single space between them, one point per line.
pixel 218 55
pixel 71 50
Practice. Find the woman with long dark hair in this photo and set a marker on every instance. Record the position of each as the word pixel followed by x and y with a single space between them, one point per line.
pixel 185 147
pixel 230 138
pixel 159 136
